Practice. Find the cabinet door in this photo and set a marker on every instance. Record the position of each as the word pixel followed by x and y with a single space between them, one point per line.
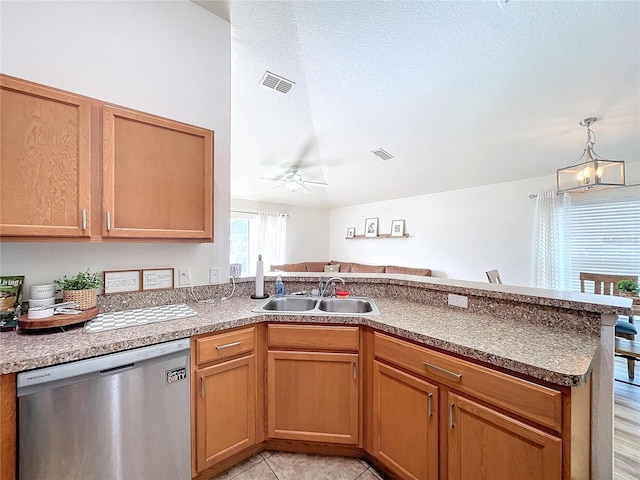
pixel 485 444
pixel 405 428
pixel 225 410
pixel 157 176
pixel 313 396
pixel 45 160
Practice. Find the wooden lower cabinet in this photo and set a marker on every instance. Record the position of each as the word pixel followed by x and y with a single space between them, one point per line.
pixel 405 430
pixel 226 387
pixel 485 444
pixel 225 410
pixel 313 396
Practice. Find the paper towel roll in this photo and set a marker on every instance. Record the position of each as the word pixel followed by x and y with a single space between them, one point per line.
pixel 259 277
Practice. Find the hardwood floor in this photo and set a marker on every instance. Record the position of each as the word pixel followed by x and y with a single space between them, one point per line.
pixel 626 441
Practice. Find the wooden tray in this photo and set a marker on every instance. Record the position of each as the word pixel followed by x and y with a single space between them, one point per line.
pixel 56 320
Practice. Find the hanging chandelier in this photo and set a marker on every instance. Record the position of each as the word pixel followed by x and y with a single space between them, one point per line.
pixel 595 172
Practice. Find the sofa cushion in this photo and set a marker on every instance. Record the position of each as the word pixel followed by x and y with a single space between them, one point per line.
pixel 315 266
pixel 362 268
pixel 289 267
pixel 426 272
pixel 345 267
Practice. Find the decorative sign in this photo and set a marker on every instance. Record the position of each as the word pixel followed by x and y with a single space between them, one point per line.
pixel 157 279
pixel 122 281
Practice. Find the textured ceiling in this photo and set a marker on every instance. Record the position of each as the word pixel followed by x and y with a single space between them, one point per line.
pixel 462 93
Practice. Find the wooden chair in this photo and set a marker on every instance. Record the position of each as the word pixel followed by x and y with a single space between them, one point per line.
pixel 605 284
pixel 494 277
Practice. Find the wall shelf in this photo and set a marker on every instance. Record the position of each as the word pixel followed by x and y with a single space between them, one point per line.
pixel 381 235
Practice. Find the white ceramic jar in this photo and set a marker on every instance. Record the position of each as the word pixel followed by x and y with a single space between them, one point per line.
pixel 40 292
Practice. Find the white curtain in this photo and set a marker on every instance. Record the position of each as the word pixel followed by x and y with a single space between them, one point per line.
pixel 273 233
pixel 551 259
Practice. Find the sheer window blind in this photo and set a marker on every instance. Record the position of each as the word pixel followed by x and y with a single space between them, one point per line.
pixel 605 237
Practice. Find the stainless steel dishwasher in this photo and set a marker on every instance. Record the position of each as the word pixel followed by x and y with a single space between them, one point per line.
pixel 120 416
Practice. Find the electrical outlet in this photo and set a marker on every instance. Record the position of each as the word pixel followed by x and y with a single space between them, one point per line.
pixel 458 300
pixel 184 277
pixel 235 269
pixel 214 275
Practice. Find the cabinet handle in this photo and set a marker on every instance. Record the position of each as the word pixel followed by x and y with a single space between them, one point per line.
pixel 451 415
pixel 201 387
pixel 108 221
pixel 429 412
pixel 442 370
pixel 233 344
pixel 355 371
pixel 84 219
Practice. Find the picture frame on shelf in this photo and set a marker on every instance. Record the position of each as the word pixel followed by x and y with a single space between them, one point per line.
pixel 351 232
pixel 397 228
pixel 371 227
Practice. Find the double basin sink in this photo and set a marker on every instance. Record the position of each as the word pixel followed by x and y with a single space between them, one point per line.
pixel 361 306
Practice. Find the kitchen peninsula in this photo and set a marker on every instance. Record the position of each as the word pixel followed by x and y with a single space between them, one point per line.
pixel 559 341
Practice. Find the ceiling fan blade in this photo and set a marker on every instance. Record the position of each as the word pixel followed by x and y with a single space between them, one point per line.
pixel 304 188
pixel 277 179
pixel 316 184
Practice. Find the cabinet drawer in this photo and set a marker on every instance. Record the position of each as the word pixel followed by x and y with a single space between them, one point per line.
pixel 535 402
pixel 215 347
pixel 314 337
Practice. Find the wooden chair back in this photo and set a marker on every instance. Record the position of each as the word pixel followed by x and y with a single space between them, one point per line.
pixel 494 277
pixel 603 284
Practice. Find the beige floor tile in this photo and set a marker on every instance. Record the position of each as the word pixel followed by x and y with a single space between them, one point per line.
pixel 369 475
pixel 236 470
pixel 260 471
pixel 267 453
pixel 289 466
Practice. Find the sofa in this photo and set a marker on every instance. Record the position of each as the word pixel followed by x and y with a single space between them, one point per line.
pixel 348 267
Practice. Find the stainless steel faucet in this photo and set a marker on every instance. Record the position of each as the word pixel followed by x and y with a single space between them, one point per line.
pixel 324 284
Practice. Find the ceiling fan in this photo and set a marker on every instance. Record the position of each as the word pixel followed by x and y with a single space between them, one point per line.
pixel 293 180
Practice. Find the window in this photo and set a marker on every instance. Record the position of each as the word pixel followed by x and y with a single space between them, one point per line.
pixel 243 241
pixel 605 237
pixel 253 234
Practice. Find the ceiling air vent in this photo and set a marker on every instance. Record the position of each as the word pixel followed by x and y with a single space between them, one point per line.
pixel 276 82
pixel 382 154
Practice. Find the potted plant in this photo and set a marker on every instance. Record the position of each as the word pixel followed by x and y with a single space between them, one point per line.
pixel 627 288
pixel 81 289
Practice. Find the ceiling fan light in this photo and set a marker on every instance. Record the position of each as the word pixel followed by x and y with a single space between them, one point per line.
pixel 293 186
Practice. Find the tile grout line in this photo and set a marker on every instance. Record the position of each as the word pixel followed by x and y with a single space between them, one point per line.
pixel 270 468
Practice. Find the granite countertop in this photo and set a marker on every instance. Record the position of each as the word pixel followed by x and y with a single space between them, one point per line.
pixel 543 352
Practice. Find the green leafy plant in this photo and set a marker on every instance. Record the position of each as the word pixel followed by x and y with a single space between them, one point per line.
pixel 627 286
pixel 82 281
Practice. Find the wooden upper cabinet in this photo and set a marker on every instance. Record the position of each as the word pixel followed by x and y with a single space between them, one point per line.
pixel 157 177
pixel 45 161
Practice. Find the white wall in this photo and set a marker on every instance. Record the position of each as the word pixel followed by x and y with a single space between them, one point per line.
pixel 307 229
pixel 458 234
pixel 167 58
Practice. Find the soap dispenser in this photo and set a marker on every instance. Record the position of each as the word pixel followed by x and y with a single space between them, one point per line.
pixel 279 287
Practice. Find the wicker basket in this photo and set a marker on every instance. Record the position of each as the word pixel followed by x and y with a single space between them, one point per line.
pixel 85 298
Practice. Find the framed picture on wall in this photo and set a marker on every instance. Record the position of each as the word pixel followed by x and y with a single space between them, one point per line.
pixel 397 228
pixel 371 227
pixel 351 232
